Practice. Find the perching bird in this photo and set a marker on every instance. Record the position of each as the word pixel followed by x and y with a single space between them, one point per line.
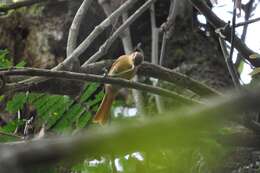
pixel 124 67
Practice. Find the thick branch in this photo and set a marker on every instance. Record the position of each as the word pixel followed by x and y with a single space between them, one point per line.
pixel 216 22
pixel 169 75
pixel 159 72
pixel 91 78
pixel 149 70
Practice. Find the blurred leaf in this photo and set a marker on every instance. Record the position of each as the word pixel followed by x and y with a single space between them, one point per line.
pixel 255 71
pixel 102 165
pixel 254 56
pixel 241 67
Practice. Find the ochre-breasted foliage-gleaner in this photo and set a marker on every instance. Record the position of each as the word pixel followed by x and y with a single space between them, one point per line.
pixel 124 67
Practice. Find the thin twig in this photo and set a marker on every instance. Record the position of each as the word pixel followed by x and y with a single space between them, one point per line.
pixel 247 10
pixel 167 28
pixel 163 49
pixel 104 48
pixel 247 22
pixel 229 61
pixel 93 78
pixel 74 29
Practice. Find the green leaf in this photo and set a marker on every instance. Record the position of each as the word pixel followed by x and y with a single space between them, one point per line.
pixel 4 61
pixel 89 90
pixel 83 120
pixel 66 123
pixel 97 99
pixel 16 103
pixel 21 64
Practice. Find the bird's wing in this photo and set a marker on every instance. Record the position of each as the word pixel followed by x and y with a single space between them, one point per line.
pixel 121 66
pixel 123 72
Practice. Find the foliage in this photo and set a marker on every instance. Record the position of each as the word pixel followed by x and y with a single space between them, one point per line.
pixel 58 113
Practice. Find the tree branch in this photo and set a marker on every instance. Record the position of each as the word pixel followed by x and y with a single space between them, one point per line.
pixel 146 69
pixel 74 29
pixel 247 22
pixel 104 48
pixel 248 9
pixel 228 58
pixel 154 55
pixel 167 28
pixel 182 80
pixel 98 30
pixel 216 22
pixel 159 72
pixel 91 78
pixel 229 63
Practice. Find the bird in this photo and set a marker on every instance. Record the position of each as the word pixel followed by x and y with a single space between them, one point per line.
pixel 124 67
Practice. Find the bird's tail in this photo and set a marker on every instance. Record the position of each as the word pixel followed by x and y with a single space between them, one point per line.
pixel 102 114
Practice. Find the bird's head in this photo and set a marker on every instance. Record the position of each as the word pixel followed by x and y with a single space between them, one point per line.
pixel 138 58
